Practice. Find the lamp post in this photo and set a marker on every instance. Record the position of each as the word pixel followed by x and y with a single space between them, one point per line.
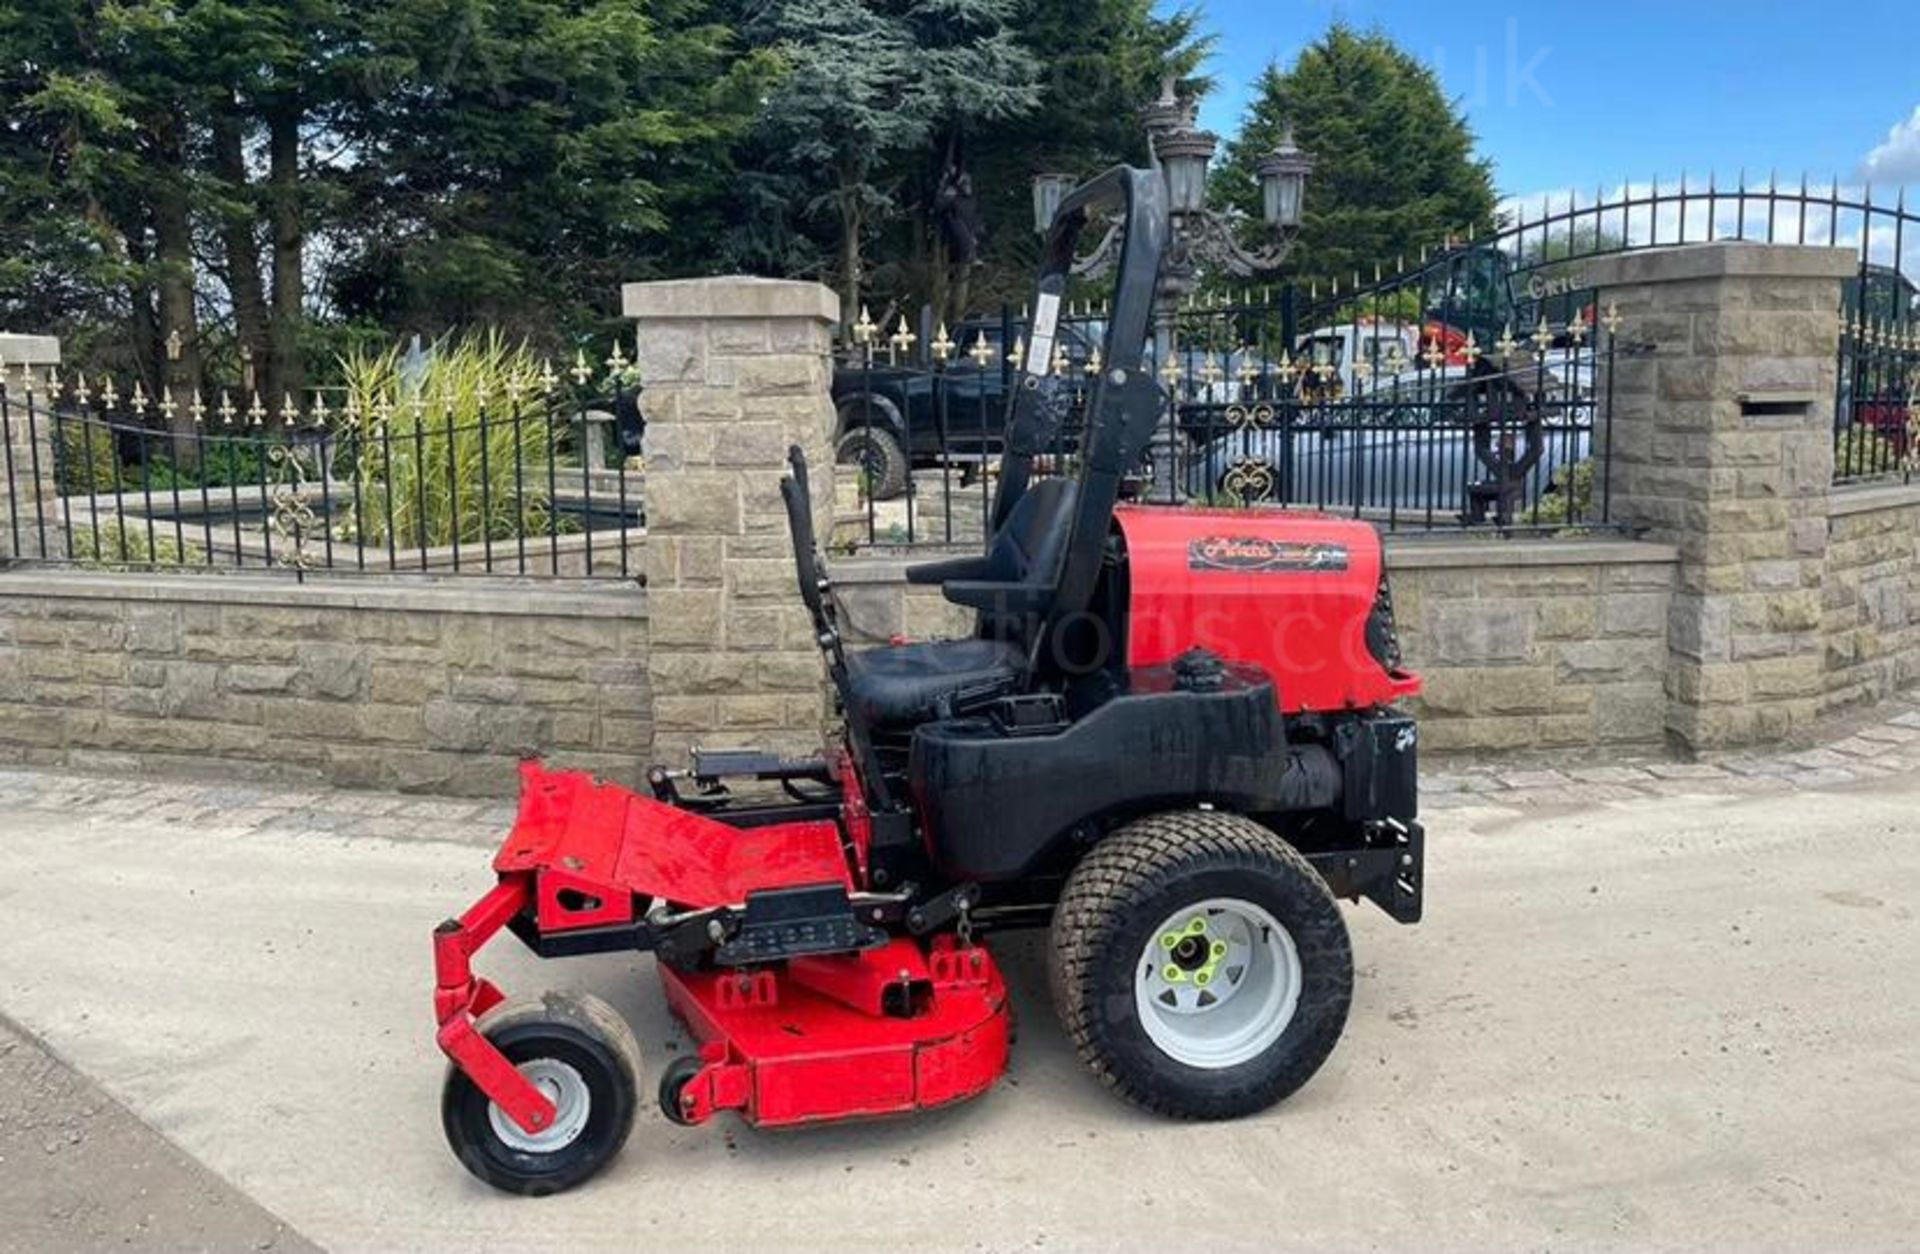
pixel 1202 238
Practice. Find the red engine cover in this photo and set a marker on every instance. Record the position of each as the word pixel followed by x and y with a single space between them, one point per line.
pixel 1287 592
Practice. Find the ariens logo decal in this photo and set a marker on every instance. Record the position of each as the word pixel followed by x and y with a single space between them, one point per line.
pixel 1252 553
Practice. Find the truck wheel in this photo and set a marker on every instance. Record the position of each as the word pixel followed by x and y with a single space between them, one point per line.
pixel 582 1055
pixel 876 451
pixel 1199 965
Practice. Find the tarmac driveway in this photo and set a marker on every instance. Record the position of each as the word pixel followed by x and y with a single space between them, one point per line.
pixel 1681 1020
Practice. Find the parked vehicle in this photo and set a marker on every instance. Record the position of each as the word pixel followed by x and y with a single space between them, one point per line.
pixel 892 415
pixel 1405 469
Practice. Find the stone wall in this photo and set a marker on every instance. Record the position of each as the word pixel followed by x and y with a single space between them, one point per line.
pixel 1871 593
pixel 877 603
pixel 431 687
pixel 1544 645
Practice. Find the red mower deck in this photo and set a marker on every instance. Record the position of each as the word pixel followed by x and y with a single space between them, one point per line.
pixel 886 1032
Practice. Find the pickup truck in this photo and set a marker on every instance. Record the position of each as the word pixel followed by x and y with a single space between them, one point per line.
pixel 893 415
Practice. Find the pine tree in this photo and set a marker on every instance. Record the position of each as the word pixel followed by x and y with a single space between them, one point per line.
pixel 1394 164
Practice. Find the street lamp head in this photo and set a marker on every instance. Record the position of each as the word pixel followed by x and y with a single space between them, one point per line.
pixel 1170 112
pixel 1184 155
pixel 1048 190
pixel 1283 183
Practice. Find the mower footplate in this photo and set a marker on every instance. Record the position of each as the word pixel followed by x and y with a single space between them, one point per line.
pixel 888 1031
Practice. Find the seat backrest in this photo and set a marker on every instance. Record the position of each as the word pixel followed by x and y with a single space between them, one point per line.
pixel 1028 548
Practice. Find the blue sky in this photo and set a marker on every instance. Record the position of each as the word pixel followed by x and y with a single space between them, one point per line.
pixel 1566 95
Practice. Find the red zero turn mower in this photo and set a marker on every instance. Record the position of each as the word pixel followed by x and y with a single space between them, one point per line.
pixel 1171 739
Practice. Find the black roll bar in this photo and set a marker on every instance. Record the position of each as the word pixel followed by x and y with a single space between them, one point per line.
pixel 1141 198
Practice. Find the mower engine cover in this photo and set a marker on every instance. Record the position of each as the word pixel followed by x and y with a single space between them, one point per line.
pixel 1291 593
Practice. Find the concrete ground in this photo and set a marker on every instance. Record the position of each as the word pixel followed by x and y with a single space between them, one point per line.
pixel 83 1172
pixel 1682 1013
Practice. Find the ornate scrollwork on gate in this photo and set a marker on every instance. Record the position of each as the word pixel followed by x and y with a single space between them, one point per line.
pixel 1250 481
pixel 293 518
pixel 1256 417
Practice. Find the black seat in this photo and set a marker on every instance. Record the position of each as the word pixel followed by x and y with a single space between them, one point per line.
pixel 908 684
pixel 901 685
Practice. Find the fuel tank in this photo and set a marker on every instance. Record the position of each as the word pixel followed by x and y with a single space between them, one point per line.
pixel 1292 593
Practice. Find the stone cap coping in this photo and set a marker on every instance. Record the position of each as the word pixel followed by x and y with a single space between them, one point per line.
pixel 461 594
pixel 1722 259
pixel 1403 553
pixel 1867 498
pixel 1442 552
pixel 29 350
pixel 730 296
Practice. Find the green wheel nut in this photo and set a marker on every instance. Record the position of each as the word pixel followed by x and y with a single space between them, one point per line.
pixel 1169 939
pixel 1174 974
pixel 1203 978
pixel 1198 926
pixel 1219 949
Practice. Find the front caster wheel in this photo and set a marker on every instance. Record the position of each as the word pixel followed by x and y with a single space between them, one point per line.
pixel 673 1083
pixel 581 1054
pixel 1199 965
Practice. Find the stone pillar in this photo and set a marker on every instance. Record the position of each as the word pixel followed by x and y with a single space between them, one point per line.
pixel 1722 392
pixel 29 504
pixel 735 370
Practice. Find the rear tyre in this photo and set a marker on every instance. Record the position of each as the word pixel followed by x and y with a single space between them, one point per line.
pixel 1199 965
pixel 582 1055
pixel 878 453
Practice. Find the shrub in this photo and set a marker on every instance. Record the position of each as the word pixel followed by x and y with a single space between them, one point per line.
pixel 1864 451
pixel 86 462
pixel 1571 498
pixel 447 454
pixel 120 542
pixel 223 462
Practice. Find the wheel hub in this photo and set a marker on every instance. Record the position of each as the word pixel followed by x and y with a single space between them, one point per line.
pixel 560 1084
pixel 1218 983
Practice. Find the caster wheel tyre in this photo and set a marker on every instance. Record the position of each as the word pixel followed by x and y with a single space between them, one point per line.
pixel 672 1082
pixel 1199 965
pixel 877 452
pixel 582 1055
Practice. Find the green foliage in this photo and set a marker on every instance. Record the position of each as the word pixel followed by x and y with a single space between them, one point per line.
pixel 1572 499
pixel 171 165
pixel 1394 164
pixel 876 95
pixel 1398 304
pixel 126 542
pixel 447 454
pixel 227 461
pixel 523 157
pixel 1862 451
pixel 85 458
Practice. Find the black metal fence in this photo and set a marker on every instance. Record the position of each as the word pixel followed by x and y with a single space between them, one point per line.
pixel 525 484
pixel 1878 356
pixel 1463 387
pixel 1353 404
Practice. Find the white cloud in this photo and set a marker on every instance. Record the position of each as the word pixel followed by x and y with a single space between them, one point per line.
pixel 1898 159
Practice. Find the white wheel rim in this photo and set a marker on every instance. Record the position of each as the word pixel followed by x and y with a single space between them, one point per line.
pixel 1217 983
pixel 572 1101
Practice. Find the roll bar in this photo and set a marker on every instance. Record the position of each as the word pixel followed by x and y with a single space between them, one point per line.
pixel 1141 198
